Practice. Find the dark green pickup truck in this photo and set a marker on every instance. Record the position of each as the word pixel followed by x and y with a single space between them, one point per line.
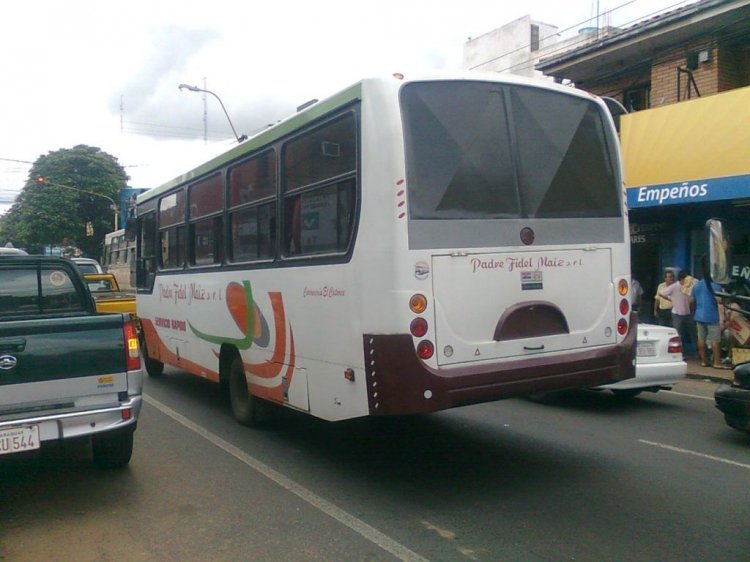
pixel 66 372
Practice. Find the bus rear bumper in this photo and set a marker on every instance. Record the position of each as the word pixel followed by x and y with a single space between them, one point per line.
pixel 399 383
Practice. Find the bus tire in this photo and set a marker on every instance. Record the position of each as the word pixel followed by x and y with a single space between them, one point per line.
pixel 244 404
pixel 154 368
pixel 112 449
pixel 627 393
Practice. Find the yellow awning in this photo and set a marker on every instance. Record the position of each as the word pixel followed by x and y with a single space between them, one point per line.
pixel 688 141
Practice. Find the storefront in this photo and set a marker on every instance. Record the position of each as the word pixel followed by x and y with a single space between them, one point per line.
pixel 685 163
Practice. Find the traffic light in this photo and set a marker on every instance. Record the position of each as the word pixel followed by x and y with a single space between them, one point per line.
pixel 41 180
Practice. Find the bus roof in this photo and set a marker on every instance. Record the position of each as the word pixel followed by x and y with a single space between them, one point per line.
pixel 320 108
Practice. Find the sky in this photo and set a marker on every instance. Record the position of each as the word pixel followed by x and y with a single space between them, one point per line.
pixel 106 74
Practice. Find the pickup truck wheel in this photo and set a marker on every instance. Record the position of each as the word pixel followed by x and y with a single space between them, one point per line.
pixel 112 449
pixel 244 404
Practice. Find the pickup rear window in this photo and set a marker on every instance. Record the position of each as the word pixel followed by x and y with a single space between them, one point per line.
pixel 35 290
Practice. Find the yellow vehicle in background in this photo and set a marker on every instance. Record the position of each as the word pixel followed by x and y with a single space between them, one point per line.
pixel 107 294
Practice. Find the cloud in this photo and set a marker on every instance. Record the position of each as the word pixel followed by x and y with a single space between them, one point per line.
pixel 144 97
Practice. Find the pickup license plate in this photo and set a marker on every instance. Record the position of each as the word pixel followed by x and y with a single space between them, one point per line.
pixel 19 439
pixel 646 349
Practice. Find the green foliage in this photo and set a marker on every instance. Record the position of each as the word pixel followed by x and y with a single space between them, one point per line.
pixel 57 210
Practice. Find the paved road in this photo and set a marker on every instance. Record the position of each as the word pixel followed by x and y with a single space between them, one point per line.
pixel 591 478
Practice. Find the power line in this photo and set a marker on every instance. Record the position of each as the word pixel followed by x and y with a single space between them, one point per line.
pixel 152 129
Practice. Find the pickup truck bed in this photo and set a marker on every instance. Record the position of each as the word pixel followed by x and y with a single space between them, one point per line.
pixel 65 371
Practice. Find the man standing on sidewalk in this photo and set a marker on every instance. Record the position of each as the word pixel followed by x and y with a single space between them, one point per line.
pixel 709 318
pixel 662 305
pixel 682 317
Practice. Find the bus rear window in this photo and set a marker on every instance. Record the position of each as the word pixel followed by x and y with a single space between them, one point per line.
pixel 479 150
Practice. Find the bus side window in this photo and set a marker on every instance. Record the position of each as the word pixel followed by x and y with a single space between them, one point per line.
pixel 293 227
pixel 146 265
pixel 172 247
pixel 320 220
pixel 319 189
pixel 253 232
pixel 206 241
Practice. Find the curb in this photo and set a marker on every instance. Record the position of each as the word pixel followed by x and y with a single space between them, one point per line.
pixel 712 378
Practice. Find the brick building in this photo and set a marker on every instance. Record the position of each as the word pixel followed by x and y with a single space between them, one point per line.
pixel 685 77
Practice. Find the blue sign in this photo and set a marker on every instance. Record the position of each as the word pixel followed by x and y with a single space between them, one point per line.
pixel 697 191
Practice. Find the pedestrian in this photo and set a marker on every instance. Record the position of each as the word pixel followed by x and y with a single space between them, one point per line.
pixel 687 285
pixel 709 319
pixel 662 305
pixel 682 317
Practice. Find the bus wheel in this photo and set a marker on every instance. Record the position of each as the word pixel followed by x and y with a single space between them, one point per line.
pixel 243 403
pixel 627 393
pixel 154 368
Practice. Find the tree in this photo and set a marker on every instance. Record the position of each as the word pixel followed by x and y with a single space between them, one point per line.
pixel 54 206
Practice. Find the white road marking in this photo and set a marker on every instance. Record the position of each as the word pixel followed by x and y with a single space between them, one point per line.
pixel 694 453
pixel 675 393
pixel 357 525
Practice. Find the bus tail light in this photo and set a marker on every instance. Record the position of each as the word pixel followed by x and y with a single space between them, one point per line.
pixel 425 349
pixel 624 307
pixel 622 327
pixel 418 304
pixel 132 353
pixel 623 288
pixel 418 327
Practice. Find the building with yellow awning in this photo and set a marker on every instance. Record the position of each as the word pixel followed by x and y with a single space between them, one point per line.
pixel 684 78
pixel 691 152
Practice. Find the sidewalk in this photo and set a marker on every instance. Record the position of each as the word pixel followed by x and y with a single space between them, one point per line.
pixel 696 371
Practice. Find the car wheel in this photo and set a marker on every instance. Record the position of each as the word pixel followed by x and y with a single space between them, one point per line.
pixel 112 449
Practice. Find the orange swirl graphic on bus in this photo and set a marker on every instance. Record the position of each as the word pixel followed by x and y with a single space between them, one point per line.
pixel 252 324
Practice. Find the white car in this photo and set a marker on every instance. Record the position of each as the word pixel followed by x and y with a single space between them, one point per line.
pixel 659 364
pixel 12 252
pixel 88 265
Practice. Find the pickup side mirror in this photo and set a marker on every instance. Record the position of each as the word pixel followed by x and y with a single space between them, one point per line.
pixel 719 252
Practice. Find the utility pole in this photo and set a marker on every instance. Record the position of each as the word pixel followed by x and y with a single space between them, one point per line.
pixel 205 112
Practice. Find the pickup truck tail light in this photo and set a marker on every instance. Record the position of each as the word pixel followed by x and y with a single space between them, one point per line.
pixel 132 353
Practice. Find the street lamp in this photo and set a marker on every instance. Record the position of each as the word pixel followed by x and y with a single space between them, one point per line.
pixel 197 89
pixel 44 181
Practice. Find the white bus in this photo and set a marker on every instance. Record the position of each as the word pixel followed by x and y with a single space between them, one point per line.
pixel 404 246
pixel 118 257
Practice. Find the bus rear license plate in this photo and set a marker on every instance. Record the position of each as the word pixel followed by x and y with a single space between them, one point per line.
pixel 646 349
pixel 19 439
